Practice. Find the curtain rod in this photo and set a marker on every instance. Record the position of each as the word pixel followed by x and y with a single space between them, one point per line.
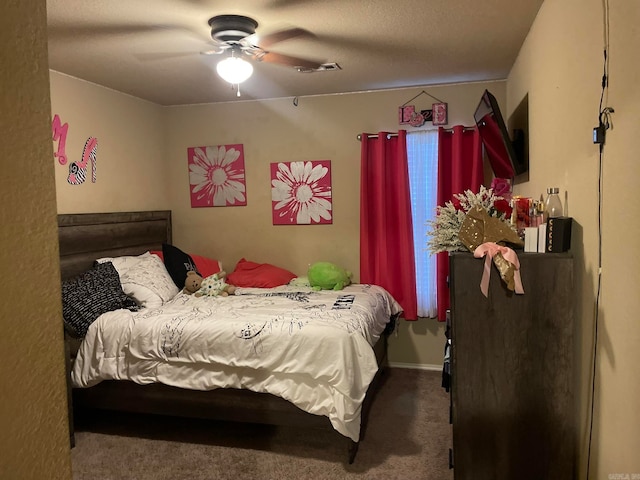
pixel 375 135
pixel 389 135
pixel 465 129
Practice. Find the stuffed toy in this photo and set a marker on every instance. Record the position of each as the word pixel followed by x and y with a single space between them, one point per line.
pixel 192 282
pixel 213 286
pixel 328 276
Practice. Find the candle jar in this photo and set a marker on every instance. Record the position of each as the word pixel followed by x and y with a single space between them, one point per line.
pixel 553 204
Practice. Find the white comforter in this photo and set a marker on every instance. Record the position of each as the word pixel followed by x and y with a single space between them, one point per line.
pixel 312 348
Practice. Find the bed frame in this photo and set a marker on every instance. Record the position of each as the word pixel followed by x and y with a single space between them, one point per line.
pixel 85 237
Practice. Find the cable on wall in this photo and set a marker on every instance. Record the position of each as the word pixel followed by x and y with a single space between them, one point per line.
pixel 599 136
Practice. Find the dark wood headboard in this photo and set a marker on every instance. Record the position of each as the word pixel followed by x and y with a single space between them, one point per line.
pixel 84 237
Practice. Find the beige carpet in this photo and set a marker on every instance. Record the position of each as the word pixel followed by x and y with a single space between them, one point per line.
pixel 408 437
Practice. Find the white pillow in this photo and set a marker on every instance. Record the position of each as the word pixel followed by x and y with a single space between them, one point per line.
pixel 144 278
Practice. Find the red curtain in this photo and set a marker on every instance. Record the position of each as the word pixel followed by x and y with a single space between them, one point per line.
pixel 459 169
pixel 386 230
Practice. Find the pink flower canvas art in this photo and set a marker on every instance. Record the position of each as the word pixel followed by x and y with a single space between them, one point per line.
pixel 301 192
pixel 216 176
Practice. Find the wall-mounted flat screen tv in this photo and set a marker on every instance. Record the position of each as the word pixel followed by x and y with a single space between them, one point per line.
pixel 507 156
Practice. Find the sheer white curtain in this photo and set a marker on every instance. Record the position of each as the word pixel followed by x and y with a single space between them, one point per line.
pixel 422 155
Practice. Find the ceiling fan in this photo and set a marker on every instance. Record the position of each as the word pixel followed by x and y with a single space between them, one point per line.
pixel 236 34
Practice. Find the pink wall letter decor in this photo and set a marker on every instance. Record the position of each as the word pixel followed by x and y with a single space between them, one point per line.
pixel 59 132
pixel 216 176
pixel 301 193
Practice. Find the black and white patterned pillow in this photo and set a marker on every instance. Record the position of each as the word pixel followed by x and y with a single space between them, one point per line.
pixel 178 264
pixel 91 294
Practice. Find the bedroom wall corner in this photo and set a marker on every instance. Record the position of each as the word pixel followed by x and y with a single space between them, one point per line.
pixel 130 171
pixel 33 411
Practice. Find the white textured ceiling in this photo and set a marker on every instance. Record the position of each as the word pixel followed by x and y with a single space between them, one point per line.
pixel 151 48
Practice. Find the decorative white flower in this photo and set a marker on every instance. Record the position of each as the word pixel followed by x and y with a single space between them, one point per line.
pixel 302 192
pixel 214 176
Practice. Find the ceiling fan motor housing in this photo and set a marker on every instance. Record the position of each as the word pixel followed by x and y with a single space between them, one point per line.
pixel 231 28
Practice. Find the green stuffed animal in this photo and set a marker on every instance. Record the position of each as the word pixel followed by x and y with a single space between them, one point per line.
pixel 328 276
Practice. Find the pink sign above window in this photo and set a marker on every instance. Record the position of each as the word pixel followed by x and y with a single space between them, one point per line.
pixel 216 176
pixel 301 193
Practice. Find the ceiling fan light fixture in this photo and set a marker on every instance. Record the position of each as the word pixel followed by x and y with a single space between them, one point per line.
pixel 234 70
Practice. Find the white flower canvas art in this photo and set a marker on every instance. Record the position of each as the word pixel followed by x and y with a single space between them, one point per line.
pixel 301 193
pixel 216 176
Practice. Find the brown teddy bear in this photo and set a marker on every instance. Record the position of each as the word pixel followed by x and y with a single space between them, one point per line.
pixel 214 285
pixel 192 282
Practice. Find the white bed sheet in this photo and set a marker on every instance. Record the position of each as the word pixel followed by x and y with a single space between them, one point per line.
pixel 313 349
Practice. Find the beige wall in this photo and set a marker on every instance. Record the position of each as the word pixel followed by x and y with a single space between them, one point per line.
pixel 130 171
pixel 320 128
pixel 560 66
pixel 33 410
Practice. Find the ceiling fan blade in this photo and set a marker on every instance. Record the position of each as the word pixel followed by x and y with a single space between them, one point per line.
pixel 153 56
pixel 64 32
pixel 287 60
pixel 265 41
pixel 214 51
pixel 74 31
pixel 216 47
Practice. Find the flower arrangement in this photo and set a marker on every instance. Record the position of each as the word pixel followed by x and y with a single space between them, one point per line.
pixel 443 230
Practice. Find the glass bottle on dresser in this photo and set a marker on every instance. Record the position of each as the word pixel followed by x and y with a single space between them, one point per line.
pixel 553 204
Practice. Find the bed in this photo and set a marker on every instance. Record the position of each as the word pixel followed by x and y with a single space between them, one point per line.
pixel 285 356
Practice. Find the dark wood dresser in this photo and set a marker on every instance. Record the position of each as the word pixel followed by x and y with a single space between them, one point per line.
pixel 512 371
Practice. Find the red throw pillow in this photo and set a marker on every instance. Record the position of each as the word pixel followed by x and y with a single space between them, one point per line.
pixel 206 266
pixel 258 275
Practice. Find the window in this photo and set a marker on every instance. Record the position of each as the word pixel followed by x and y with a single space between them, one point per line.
pixel 422 156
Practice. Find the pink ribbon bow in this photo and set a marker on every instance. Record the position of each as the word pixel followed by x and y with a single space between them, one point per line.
pixel 489 250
